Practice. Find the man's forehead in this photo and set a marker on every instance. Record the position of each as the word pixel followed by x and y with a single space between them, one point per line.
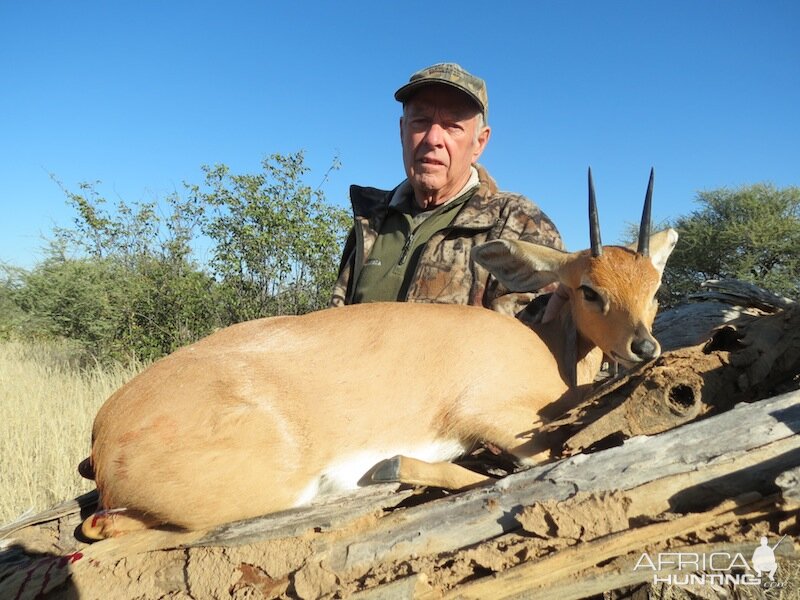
pixel 444 98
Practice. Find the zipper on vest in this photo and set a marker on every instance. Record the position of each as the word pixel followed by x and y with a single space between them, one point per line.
pixel 406 248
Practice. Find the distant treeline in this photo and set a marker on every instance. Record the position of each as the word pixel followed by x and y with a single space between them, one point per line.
pixel 125 281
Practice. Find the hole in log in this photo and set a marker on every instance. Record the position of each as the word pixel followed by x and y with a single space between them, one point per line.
pixel 681 398
pixel 725 338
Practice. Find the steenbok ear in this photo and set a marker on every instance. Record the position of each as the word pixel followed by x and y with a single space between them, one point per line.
pixel 661 246
pixel 520 266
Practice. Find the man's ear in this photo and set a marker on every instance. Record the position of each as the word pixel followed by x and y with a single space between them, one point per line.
pixel 521 266
pixel 480 145
pixel 661 246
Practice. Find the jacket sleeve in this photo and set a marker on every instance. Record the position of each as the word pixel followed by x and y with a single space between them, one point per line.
pixel 341 287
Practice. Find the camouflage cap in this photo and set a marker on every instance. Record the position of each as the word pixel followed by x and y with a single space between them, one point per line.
pixel 448 74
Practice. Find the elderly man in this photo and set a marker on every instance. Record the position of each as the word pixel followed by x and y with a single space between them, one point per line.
pixel 413 243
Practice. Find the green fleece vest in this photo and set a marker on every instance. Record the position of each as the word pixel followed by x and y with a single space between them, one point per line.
pixel 387 273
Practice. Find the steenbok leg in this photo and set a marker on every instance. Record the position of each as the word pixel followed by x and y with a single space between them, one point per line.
pixel 446 475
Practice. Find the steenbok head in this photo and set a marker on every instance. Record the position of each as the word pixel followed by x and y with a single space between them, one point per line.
pixel 612 289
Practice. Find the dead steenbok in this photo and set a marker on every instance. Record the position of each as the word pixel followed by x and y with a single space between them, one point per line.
pixel 266 415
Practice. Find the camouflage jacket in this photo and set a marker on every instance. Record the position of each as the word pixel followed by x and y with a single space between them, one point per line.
pixel 444 273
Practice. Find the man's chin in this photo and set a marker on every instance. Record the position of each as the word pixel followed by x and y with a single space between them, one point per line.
pixel 425 183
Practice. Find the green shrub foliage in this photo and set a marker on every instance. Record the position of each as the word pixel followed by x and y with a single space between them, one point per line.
pixel 125 282
pixel 276 242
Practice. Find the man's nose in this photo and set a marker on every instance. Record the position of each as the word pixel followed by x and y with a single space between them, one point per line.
pixel 435 135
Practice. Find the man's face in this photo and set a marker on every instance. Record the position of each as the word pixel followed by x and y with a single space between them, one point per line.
pixel 441 140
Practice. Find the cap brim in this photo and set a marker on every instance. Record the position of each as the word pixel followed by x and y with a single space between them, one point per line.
pixel 405 92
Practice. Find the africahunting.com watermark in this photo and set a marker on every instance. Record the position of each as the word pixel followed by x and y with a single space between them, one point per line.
pixel 714 568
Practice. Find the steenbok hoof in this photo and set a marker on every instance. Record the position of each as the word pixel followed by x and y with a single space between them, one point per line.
pixel 111 523
pixel 85 469
pixel 388 471
pixel 98 526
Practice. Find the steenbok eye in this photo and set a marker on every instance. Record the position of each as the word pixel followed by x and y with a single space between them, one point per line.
pixel 589 294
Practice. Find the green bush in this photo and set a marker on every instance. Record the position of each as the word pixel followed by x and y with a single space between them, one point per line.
pixel 12 317
pixel 113 310
pixel 276 243
pixel 122 281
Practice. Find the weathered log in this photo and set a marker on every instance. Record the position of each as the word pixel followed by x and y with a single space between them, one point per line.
pixel 85 501
pixel 759 444
pixel 720 302
pixel 742 293
pixel 554 576
pixel 27 571
pixel 739 363
pixel 690 469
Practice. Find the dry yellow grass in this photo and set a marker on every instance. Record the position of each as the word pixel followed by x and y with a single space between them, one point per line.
pixel 46 411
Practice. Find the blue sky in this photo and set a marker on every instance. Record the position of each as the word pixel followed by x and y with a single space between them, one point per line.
pixel 140 94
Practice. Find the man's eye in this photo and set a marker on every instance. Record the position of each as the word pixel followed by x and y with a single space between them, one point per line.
pixel 589 294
